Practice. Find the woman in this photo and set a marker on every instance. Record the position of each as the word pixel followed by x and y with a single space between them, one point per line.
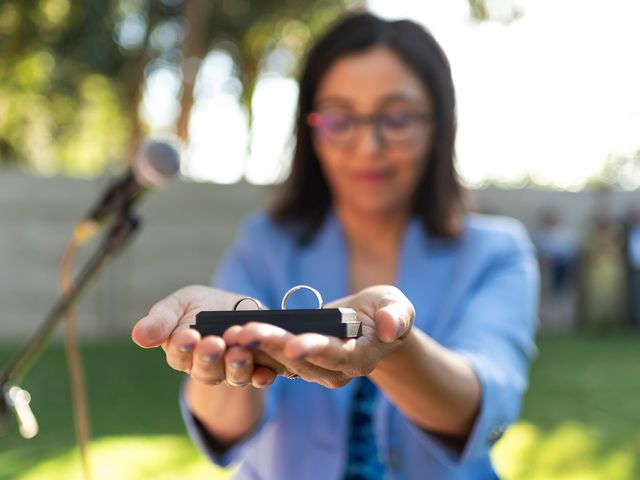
pixel 372 200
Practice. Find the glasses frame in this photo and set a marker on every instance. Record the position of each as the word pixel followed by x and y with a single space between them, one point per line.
pixel 315 119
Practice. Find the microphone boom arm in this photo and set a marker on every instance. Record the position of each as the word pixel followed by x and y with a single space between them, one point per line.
pixel 123 229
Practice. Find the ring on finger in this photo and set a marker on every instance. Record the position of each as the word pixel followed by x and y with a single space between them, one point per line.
pixel 292 376
pixel 234 384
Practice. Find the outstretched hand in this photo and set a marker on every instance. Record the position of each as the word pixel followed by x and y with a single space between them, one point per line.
pixel 256 353
pixel 208 360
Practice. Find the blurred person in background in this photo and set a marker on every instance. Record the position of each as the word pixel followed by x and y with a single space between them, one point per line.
pixel 373 216
pixel 558 249
pixel 601 297
pixel 632 262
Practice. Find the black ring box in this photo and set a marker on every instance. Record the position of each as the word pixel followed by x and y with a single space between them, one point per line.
pixel 337 322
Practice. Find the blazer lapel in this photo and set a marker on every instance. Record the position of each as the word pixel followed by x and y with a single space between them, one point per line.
pixel 426 274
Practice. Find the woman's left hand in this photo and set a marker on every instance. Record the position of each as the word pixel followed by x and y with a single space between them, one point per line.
pixel 387 318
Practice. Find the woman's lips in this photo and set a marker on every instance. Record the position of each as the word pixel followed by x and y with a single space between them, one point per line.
pixel 372 176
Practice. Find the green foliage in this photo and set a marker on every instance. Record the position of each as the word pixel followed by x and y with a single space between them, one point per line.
pixel 72 72
pixel 60 109
pixel 250 31
pixel 623 170
pixel 507 11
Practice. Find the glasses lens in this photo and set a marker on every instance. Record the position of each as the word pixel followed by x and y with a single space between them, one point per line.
pixel 394 125
pixel 334 125
pixel 397 127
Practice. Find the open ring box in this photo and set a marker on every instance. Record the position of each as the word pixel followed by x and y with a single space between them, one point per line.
pixel 337 322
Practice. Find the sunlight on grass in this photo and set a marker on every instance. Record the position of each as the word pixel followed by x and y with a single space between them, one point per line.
pixel 132 457
pixel 579 418
pixel 511 455
pixel 572 450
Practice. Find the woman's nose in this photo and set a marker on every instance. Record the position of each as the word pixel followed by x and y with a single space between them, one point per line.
pixel 369 140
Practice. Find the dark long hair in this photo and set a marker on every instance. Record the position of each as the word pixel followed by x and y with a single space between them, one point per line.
pixel 305 197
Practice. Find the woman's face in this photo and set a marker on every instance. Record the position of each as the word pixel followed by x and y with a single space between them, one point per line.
pixel 373 129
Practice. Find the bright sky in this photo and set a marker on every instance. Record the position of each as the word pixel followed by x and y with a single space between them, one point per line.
pixel 551 95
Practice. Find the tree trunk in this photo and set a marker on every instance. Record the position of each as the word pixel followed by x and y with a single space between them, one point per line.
pixel 134 80
pixel 249 74
pixel 196 15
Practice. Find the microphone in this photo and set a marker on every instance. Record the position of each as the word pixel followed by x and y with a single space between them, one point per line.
pixel 155 163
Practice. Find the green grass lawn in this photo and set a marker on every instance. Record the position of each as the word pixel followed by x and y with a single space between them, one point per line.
pixel 581 418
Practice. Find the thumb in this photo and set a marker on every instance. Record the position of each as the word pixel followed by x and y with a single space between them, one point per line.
pixel 157 326
pixel 394 320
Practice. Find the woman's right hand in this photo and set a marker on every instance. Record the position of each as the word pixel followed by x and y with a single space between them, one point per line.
pixel 208 360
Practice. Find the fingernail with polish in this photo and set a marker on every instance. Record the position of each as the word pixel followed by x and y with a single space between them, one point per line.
pixel 238 363
pixel 186 348
pixel 252 345
pixel 210 358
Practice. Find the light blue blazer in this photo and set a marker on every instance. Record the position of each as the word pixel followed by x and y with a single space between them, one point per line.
pixel 477 296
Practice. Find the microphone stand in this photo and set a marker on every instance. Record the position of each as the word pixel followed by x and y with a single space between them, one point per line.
pixel 16 398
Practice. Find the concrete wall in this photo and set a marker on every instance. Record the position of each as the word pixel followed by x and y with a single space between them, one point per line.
pixel 186 228
pixel 573 208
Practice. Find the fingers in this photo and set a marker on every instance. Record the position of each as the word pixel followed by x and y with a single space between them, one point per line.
pixel 269 339
pixel 180 349
pixel 273 341
pixel 262 359
pixel 255 334
pixel 262 377
pixel 394 320
pixel 327 352
pixel 390 310
pixel 208 361
pixel 255 352
pixel 177 311
pixel 155 328
pixel 238 366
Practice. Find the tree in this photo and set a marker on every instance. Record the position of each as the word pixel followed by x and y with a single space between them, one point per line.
pixel 72 73
pixel 249 31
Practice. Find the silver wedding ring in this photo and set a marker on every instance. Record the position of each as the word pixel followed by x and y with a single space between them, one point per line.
pixel 257 302
pixel 300 287
pixel 285 298
pixel 288 375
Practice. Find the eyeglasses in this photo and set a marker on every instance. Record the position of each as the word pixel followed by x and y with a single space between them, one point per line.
pixel 391 128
